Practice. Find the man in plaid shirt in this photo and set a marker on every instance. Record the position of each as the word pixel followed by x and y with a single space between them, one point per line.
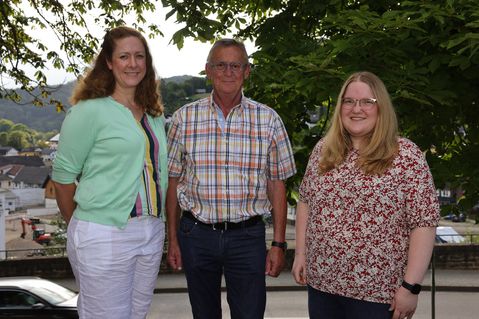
pixel 228 159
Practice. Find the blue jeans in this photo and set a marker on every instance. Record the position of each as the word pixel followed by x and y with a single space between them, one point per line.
pixel 239 253
pixel 322 305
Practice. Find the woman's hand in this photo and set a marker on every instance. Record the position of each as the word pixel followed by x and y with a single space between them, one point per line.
pixel 66 204
pixel 299 264
pixel 404 304
pixel 299 268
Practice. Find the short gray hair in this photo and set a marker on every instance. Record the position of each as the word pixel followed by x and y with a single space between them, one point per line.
pixel 224 43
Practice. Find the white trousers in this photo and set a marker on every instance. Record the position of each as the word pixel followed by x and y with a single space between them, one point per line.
pixel 115 269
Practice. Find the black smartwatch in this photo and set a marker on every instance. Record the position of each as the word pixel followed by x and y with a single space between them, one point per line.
pixel 282 245
pixel 415 289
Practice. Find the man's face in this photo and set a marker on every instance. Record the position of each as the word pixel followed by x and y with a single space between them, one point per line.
pixel 223 71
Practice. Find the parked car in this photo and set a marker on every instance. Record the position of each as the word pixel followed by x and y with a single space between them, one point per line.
pixel 34 297
pixel 449 216
pixel 459 218
pixel 447 234
pixel 455 218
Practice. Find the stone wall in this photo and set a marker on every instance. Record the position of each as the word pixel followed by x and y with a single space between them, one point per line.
pixel 457 256
pixel 447 256
pixel 29 196
pixel 46 267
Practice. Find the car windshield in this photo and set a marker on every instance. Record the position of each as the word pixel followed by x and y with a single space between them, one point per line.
pixel 53 293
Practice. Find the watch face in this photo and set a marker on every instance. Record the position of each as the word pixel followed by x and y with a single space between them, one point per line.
pixel 416 289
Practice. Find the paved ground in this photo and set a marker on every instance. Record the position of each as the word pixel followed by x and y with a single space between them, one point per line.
pixel 456 296
pixel 293 305
pixel 446 280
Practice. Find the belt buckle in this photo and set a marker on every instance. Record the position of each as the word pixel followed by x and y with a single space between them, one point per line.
pixel 225 226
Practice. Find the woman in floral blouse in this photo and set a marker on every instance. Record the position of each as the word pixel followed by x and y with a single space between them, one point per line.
pixel 367 214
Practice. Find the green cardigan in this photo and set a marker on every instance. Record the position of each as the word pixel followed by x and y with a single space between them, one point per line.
pixel 103 146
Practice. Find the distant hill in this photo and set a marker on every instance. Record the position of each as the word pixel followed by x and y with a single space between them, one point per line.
pixel 44 119
pixel 178 78
pixel 41 119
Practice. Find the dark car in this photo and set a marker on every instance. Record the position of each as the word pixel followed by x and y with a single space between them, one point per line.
pixel 456 218
pixel 33 297
pixel 459 218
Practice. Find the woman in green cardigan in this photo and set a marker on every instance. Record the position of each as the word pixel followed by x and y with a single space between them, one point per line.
pixel 110 179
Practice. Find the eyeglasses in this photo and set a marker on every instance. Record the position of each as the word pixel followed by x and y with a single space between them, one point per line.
pixel 365 104
pixel 223 66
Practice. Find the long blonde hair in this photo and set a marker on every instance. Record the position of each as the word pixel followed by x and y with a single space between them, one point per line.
pixel 382 144
pixel 100 82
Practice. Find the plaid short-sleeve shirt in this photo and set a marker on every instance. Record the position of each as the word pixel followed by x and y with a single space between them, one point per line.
pixel 223 172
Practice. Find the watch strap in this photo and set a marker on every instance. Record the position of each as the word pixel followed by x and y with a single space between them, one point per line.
pixel 282 245
pixel 415 289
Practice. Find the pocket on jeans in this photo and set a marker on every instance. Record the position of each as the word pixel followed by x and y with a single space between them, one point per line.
pixel 256 231
pixel 187 226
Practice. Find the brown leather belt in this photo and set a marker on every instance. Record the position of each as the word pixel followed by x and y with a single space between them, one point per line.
pixel 225 225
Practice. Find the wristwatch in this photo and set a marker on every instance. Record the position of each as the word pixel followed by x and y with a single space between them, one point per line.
pixel 415 289
pixel 282 245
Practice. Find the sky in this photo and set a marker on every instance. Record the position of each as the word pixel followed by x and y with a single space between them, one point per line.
pixel 168 59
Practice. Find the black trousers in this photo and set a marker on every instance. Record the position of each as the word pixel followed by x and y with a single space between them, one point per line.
pixel 322 305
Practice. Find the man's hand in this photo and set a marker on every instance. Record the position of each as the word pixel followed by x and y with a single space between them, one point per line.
pixel 174 255
pixel 277 196
pixel 274 261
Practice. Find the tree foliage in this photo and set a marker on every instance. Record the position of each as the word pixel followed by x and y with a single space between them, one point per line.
pixel 175 94
pixel 426 52
pixel 70 22
pixel 20 136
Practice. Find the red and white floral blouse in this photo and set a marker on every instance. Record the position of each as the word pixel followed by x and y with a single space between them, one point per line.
pixel 358 227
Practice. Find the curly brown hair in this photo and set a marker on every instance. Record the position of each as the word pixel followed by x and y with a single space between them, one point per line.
pixel 98 81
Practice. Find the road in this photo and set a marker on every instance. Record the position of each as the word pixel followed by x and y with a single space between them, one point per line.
pixel 293 305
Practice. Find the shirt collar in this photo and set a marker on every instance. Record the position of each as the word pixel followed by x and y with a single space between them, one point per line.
pixel 239 107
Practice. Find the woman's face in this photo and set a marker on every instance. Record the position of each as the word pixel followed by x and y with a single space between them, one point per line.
pixel 128 63
pixel 359 119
